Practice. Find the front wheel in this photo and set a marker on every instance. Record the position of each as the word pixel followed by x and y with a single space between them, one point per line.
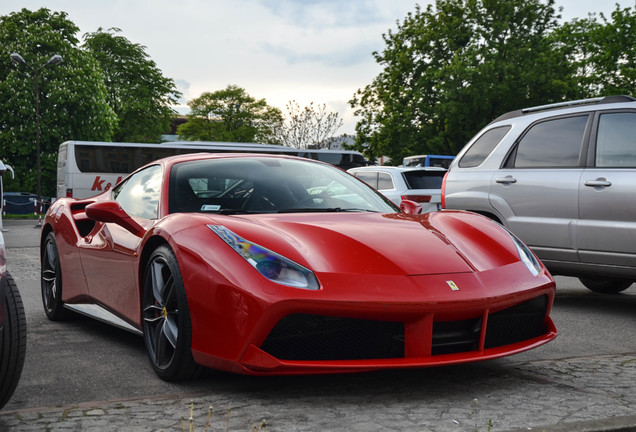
pixel 13 340
pixel 606 285
pixel 51 281
pixel 166 318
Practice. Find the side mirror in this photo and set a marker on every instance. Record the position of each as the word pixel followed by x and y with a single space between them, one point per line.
pixel 410 207
pixel 111 212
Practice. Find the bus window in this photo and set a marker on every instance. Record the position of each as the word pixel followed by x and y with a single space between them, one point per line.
pixel 87 168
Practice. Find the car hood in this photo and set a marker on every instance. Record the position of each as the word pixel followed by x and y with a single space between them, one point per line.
pixel 372 243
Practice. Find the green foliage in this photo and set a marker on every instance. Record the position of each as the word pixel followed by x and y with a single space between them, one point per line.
pixel 137 90
pixel 72 95
pixel 452 68
pixel 230 115
pixel 603 52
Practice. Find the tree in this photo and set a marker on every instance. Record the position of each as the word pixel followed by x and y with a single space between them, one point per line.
pixel 138 92
pixel 308 127
pixel 230 115
pixel 603 52
pixel 72 95
pixel 449 70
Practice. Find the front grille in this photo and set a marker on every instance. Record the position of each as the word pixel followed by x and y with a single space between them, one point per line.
pixel 456 336
pixel 315 337
pixel 518 323
pixel 306 337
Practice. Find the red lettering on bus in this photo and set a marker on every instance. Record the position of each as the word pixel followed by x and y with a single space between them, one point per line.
pixel 97 184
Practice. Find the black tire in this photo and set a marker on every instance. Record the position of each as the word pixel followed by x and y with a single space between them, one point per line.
pixel 13 340
pixel 606 285
pixel 51 281
pixel 166 319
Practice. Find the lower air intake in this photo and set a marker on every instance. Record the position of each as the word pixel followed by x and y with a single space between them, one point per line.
pixel 316 337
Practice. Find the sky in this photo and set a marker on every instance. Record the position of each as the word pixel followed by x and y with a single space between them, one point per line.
pixel 307 51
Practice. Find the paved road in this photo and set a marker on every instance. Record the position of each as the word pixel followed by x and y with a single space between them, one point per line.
pixel 82 375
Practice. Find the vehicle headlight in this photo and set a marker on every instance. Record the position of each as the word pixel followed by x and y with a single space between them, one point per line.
pixel 273 266
pixel 526 255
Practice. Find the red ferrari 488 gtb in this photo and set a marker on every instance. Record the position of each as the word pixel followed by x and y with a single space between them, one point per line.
pixel 263 264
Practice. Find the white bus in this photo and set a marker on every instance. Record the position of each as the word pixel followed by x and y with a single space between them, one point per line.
pixel 87 168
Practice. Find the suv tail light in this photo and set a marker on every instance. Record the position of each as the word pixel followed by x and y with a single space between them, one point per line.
pixel 444 190
pixel 417 198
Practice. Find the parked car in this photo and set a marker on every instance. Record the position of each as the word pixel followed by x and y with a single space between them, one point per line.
pixel 13 333
pixel 422 185
pixel 562 177
pixel 263 264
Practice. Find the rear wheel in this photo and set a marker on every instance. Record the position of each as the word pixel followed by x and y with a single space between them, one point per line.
pixel 166 319
pixel 606 285
pixel 51 281
pixel 13 339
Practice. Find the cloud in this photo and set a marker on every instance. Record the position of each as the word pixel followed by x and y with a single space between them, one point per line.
pixel 184 87
pixel 347 57
pixel 325 13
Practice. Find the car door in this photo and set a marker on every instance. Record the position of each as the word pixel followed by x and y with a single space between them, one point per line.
pixel 109 255
pixel 536 190
pixel 607 227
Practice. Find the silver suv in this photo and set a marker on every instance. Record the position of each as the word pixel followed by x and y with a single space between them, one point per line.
pixel 563 178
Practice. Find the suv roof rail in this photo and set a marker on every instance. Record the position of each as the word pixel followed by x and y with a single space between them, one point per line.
pixel 589 101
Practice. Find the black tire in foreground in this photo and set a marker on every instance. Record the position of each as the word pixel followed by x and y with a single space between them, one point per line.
pixel 13 340
pixel 606 285
pixel 166 319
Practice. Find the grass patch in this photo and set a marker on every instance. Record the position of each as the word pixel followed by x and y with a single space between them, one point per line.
pixel 189 425
pixel 20 216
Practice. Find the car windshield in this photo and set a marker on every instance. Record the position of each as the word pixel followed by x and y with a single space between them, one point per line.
pixel 269 185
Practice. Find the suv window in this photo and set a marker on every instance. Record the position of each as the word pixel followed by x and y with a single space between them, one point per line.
pixel 385 181
pixel 481 148
pixel 616 140
pixel 552 143
pixel 424 179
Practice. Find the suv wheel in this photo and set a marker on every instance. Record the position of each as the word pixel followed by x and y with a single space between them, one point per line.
pixel 606 285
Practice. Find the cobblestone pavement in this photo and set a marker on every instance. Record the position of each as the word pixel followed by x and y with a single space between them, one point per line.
pixel 579 394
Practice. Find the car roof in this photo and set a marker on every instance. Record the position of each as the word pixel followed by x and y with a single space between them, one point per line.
pixel 171 160
pixel 580 103
pixel 395 168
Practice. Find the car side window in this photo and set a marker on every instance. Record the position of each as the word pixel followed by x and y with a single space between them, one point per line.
pixel 385 181
pixel 482 147
pixel 139 194
pixel 616 140
pixel 369 177
pixel 550 144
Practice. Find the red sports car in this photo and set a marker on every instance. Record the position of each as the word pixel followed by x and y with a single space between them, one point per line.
pixel 279 265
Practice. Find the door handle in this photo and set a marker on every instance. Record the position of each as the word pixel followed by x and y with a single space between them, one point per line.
pixel 598 183
pixel 506 180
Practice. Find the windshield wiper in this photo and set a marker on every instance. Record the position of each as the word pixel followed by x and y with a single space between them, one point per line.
pixel 323 210
pixel 228 211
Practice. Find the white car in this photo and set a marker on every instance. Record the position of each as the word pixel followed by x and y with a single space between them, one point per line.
pixel 422 184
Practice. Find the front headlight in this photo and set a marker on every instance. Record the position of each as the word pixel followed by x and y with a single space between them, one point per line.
pixel 273 266
pixel 526 255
